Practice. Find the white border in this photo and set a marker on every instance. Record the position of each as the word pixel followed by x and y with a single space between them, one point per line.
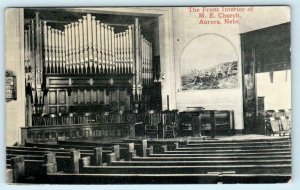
pixel 295 24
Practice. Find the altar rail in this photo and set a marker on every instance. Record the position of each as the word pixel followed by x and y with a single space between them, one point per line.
pixel 76 131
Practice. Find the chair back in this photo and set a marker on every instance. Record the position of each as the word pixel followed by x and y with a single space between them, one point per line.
pixel 104 117
pixel 153 118
pixel 169 117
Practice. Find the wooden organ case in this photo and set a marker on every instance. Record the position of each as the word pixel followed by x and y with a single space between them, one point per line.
pixel 86 67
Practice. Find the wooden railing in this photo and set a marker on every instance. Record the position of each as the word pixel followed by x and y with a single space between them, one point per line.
pixel 76 131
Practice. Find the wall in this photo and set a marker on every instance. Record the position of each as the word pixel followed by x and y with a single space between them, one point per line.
pixel 15 110
pixel 281 85
pixel 268 16
pixel 186 28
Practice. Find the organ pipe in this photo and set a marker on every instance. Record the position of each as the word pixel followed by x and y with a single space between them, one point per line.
pixel 98 41
pixel 95 55
pixel 87 45
pixel 81 48
pixel 77 47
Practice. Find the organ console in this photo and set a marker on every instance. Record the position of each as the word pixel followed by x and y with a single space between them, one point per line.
pixel 86 62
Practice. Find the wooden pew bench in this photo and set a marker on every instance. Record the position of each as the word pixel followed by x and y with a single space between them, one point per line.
pixel 238 169
pixel 140 146
pixel 84 146
pixel 61 178
pixel 233 143
pixel 84 150
pixel 253 161
pixel 167 157
pixel 30 170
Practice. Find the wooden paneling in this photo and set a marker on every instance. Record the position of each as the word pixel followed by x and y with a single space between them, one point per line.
pixel 80 97
pixel 52 97
pixel 62 98
pixel 62 109
pixel 52 109
pixel 93 96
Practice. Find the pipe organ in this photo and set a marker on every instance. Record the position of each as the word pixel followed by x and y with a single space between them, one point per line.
pixel 86 58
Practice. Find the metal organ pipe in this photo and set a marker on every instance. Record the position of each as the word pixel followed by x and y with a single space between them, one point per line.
pixel 90 41
pixel 45 44
pixel 73 48
pixel 56 51
pixel 77 58
pixel 70 48
pixel 121 53
pixel 53 50
pixel 98 36
pixel 109 49
pixel 59 52
pixel 102 46
pixel 117 53
pixel 85 43
pixel 95 56
pixel 63 50
pixel 130 44
pixel 67 48
pixel 113 49
pixel 106 47
pixel 81 51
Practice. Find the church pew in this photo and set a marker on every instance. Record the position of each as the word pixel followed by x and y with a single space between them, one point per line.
pixel 140 146
pixel 67 160
pixel 98 155
pixel 242 141
pixel 239 169
pixel 253 161
pixel 9 176
pixel 23 169
pixel 252 167
pixel 166 157
pixel 190 152
pixel 62 178
pixel 254 143
pixel 83 149
pixel 109 148
pixel 34 160
pixel 236 147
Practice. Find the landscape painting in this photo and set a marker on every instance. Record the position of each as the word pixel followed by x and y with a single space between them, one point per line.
pixel 213 66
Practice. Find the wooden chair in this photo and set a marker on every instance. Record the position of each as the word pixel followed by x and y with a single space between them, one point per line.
pixel 39 119
pixel 275 124
pixel 169 123
pixel 104 117
pixel 62 118
pixel 286 126
pixel 51 119
pixel 72 119
pixel 270 113
pixel 86 118
pixel 152 122
pixel 118 117
pixel 185 124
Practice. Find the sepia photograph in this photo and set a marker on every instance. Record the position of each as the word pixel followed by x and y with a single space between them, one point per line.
pixel 148 95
